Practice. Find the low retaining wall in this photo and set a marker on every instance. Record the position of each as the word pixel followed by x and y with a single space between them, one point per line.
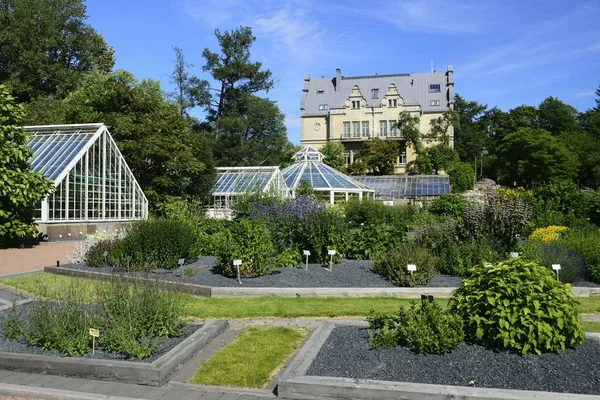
pixel 241 291
pixel 152 374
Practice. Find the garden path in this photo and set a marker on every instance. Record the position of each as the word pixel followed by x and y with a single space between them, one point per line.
pixel 17 261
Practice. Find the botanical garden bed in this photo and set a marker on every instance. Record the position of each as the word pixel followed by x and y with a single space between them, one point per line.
pixel 347 354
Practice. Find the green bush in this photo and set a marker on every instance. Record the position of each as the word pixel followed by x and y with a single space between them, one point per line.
pixel 206 234
pixel 322 231
pixel 461 177
pixel 157 243
pixel 587 243
pixel 518 306
pixel 392 265
pixel 288 258
pixel 367 241
pixel 426 328
pixel 448 205
pixel 372 212
pixel 572 264
pixel 246 240
pixel 458 258
pixel 94 257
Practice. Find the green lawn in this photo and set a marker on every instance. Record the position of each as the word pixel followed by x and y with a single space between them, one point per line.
pixel 591 326
pixel 251 359
pixel 52 286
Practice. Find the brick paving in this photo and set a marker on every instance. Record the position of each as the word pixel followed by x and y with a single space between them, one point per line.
pixel 16 261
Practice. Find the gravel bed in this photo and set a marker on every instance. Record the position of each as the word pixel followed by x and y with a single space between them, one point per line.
pixel 347 353
pixel 14 346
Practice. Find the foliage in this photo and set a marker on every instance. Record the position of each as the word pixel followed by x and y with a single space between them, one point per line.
pixel 564 202
pixel 21 189
pixel 189 90
pixel 461 177
pixel 393 265
pixel 289 257
pixel 372 212
pixel 427 328
pixel 573 265
pixel 436 158
pixel 379 155
pixel 156 243
pixel 305 189
pixel 368 240
pixel 408 125
pixel 533 156
pixel 247 240
pixel 166 158
pixel 548 233
pixel 518 306
pixel 322 231
pixel 94 257
pixel 448 205
pixel 333 153
pixel 47 46
pixel 587 243
pixel 470 134
pixel 557 117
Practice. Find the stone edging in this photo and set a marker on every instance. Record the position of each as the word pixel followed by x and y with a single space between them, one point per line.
pixel 152 374
pixel 294 384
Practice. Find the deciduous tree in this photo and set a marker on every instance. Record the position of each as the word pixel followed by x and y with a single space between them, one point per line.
pixel 334 155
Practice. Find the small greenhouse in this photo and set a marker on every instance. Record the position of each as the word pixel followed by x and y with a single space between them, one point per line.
pixel 399 187
pixel 91 178
pixel 233 182
pixel 328 181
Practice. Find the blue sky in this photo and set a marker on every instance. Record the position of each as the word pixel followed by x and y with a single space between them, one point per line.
pixel 505 53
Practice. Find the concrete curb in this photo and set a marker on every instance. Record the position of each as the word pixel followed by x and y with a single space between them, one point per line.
pixel 51 394
pixel 226 292
pixel 152 374
pixel 313 388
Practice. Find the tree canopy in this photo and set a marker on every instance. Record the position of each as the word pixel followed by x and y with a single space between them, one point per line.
pixel 334 155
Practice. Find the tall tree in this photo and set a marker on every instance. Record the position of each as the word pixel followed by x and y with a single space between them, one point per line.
pixel 557 117
pixel 471 133
pixel 190 91
pixel 379 155
pixel 21 189
pixel 165 157
pixel 45 46
pixel 333 153
pixel 235 75
pixel 408 126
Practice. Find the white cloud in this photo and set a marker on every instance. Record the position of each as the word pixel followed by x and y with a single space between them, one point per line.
pixel 586 93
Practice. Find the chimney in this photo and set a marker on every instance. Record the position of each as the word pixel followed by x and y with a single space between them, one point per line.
pixel 338 78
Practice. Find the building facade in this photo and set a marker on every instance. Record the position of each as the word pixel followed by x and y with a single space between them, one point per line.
pixel 352 110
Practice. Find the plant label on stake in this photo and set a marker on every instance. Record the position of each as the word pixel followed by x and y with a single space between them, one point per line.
pixel 331 254
pixel 514 254
pixel 306 253
pixel 105 258
pixel 411 268
pixel 556 267
pixel 94 333
pixel 181 262
pixel 237 264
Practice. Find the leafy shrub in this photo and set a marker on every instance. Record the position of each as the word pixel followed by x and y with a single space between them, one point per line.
pixel 518 306
pixel 95 254
pixel 205 234
pixel 460 257
pixel 322 231
pixel 563 200
pixel 548 233
pixel 448 205
pixel 246 240
pixel 461 177
pixel 372 212
pixel 587 243
pixel 157 243
pixel 426 328
pixel 288 258
pixel 392 265
pixel 366 241
pixel 572 264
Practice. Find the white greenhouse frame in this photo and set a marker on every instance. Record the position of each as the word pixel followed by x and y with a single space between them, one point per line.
pixel 92 180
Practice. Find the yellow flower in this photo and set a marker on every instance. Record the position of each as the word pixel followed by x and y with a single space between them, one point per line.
pixel 548 234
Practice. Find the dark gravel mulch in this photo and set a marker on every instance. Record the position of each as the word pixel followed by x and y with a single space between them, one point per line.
pixel 13 346
pixel 347 274
pixel 347 353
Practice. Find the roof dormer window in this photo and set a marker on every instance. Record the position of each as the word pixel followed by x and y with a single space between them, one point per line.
pixel 320 92
pixel 435 88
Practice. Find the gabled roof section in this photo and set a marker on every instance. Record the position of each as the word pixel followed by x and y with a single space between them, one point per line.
pixel 308 153
pixel 240 180
pixel 407 186
pixel 57 148
pixel 413 88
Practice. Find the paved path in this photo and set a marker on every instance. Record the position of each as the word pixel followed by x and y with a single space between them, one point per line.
pixel 16 261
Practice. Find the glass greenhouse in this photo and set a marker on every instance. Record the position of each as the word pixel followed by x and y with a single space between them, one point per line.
pixel 309 167
pixel 91 178
pixel 235 181
pixel 397 187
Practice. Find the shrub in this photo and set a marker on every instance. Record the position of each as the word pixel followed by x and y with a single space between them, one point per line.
pixel 322 231
pixel 460 257
pixel 587 243
pixel 518 306
pixel 548 234
pixel 205 234
pixel 94 257
pixel 157 243
pixel 372 212
pixel 392 265
pixel 288 258
pixel 427 328
pixel 448 205
pixel 246 240
pixel 572 264
pixel 366 241
pixel 461 176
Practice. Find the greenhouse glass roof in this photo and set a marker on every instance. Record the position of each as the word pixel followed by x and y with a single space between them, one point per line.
pixel 309 167
pixel 239 180
pixel 407 186
pixel 55 148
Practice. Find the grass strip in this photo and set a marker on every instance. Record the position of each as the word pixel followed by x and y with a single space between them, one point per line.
pixel 49 285
pixel 251 359
pixel 591 326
